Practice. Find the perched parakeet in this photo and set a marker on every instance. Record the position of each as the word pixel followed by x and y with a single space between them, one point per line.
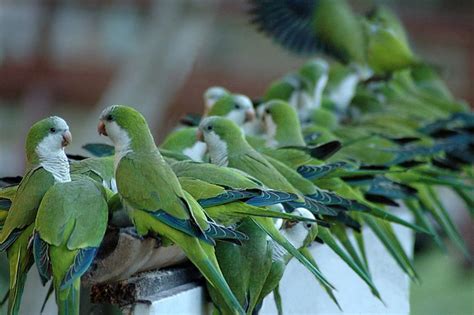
pixel 184 141
pixel 236 107
pixel 47 164
pixel 212 95
pixel 69 227
pixel 300 234
pixel 228 147
pixel 155 200
pixel 245 267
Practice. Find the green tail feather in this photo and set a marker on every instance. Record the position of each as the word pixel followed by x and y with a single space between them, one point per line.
pixel 209 267
pixel 306 253
pixel 467 199
pixel 68 299
pixel 432 202
pixel 326 236
pixel 422 219
pixel 385 234
pixel 20 260
pixel 15 294
pixel 278 301
pixel 359 237
pixel 270 229
pixel 341 233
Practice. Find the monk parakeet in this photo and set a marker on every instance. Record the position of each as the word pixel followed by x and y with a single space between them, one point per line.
pixel 212 95
pixel 327 26
pixel 236 107
pixel 158 205
pixel 47 164
pixel 228 147
pixel 184 141
pixel 300 234
pixel 69 227
pixel 387 44
pixel 314 75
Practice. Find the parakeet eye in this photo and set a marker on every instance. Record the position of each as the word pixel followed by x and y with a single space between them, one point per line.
pixel 52 130
pixel 309 225
pixel 267 111
pixel 109 117
pixel 209 127
pixel 236 106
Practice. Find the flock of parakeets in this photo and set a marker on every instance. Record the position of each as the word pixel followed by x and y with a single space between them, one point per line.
pixel 328 151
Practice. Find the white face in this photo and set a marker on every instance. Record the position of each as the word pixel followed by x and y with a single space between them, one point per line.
pixel 54 142
pixel 117 134
pixel 269 126
pixel 243 110
pixel 298 232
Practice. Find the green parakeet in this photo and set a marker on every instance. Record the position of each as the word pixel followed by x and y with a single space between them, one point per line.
pixel 69 227
pixel 300 234
pixel 47 164
pixel 212 95
pixel 228 147
pixel 155 200
pixel 327 26
pixel 184 141
pixel 387 46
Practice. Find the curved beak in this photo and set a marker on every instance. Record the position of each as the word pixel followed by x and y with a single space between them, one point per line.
pixel 249 115
pixel 67 138
pixel 199 135
pixel 101 128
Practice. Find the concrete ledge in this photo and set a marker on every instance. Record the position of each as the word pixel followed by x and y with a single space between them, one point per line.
pixel 146 287
pixel 122 255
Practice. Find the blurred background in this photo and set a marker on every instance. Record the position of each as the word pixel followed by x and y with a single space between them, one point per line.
pixel 73 58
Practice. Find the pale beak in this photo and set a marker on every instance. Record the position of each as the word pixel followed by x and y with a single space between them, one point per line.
pixel 67 138
pixel 101 128
pixel 249 115
pixel 199 135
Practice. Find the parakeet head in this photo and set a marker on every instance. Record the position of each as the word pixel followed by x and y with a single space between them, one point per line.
pixel 47 138
pixel 281 124
pixel 126 127
pixel 212 95
pixel 314 70
pixel 300 233
pixel 220 135
pixel 236 107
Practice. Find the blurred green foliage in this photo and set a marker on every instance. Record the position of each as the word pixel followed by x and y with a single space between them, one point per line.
pixel 446 287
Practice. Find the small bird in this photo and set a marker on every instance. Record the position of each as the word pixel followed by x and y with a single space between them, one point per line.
pixel 47 164
pixel 158 205
pixel 69 227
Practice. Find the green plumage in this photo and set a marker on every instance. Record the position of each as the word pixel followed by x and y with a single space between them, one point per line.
pixel 71 220
pixel 151 191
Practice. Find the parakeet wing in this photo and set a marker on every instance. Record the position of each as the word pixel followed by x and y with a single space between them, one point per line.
pixel 26 201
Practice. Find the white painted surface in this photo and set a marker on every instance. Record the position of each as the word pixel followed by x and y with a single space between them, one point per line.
pixel 302 294
pixel 189 300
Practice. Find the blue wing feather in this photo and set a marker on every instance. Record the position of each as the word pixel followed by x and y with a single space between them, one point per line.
pixel 40 253
pixel 82 262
